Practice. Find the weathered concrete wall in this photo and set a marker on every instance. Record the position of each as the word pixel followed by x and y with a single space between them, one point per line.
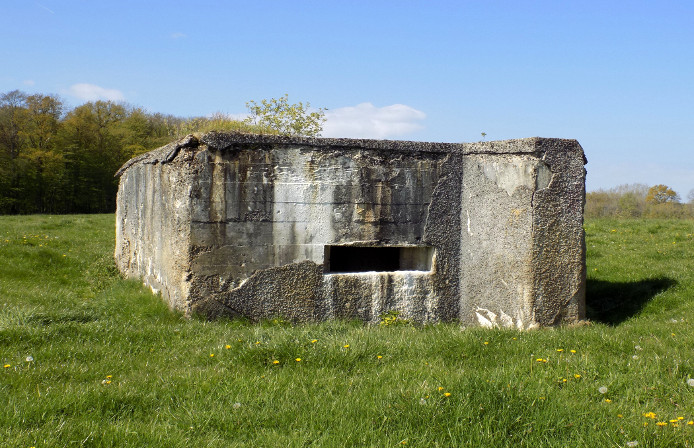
pixel 259 226
pixel 153 223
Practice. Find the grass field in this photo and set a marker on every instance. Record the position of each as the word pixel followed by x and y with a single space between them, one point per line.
pixel 93 360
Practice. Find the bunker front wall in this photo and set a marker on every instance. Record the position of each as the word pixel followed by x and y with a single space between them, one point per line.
pixel 312 229
pixel 274 228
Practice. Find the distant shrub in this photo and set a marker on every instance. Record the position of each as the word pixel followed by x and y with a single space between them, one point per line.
pixel 636 200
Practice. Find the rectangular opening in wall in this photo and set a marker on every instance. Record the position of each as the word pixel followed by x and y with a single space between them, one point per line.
pixel 377 258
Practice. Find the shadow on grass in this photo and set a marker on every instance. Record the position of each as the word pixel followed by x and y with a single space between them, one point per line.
pixel 614 302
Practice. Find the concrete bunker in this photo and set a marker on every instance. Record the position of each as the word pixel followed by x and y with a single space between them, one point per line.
pixel 261 226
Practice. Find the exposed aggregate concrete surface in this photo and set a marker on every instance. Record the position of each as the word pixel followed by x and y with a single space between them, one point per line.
pixel 487 233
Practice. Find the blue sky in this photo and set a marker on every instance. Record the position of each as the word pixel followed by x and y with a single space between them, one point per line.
pixel 618 76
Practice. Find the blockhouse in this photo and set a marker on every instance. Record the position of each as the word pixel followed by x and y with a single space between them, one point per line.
pixel 487 233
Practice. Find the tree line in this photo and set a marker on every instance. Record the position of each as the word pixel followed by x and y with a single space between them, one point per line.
pixel 638 200
pixel 54 159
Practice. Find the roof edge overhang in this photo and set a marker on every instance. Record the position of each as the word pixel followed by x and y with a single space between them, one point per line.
pixel 221 141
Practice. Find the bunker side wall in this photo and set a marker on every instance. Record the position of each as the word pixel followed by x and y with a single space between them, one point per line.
pixel 153 229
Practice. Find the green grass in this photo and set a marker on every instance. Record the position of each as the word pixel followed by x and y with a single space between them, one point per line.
pixel 63 303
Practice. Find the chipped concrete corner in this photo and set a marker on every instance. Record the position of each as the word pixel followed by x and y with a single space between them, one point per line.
pixel 488 233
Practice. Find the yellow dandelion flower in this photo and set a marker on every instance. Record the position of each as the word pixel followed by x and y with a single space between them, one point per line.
pixel 379 357
pixel 577 376
pixel 298 360
pixel 7 365
pixel 560 349
pixel 661 424
pixel 690 422
pixel 313 341
pixel 446 394
pixel 486 343
pixel 211 355
pixel 680 418
pixel 345 346
pixel 108 377
pixel 539 360
pixel 572 351
pixel 275 362
pixel 227 346
pixel 619 416
pixel 440 388
pixel 674 420
pixel 649 415
pixel 108 382
pixel 257 342
pixel 564 380
pixel 607 400
pixel 645 423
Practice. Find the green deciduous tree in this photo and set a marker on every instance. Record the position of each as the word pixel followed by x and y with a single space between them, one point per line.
pixel 636 200
pixel 30 167
pixel 93 145
pixel 12 114
pixel 629 205
pixel 287 119
pixel 661 194
pixel 58 161
pixel 627 200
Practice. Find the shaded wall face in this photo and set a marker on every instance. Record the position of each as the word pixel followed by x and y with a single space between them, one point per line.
pixel 256 209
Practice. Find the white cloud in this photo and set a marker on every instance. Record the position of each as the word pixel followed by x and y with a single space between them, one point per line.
pixel 28 82
pixel 91 92
pixel 368 121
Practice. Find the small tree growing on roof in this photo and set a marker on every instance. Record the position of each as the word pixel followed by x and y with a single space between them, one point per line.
pixel 287 119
